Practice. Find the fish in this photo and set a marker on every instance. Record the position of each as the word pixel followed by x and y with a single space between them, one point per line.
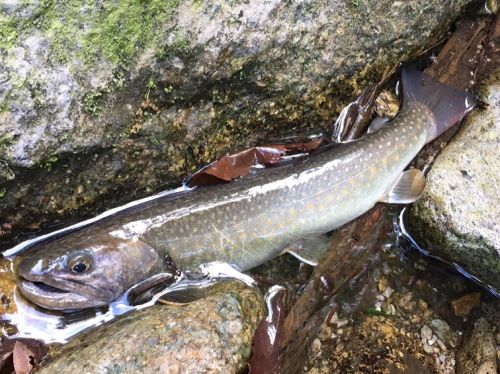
pixel 248 221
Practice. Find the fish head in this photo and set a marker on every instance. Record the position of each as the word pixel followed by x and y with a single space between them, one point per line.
pixel 63 275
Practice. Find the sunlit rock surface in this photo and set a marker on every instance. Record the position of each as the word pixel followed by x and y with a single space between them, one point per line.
pixel 211 335
pixel 458 217
pixel 102 102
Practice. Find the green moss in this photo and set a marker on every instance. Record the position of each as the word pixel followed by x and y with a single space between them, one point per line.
pixel 4 106
pixel 5 141
pixel 355 3
pixel 8 31
pixel 175 47
pixel 50 161
pixel 89 31
pixel 92 102
pixel 372 312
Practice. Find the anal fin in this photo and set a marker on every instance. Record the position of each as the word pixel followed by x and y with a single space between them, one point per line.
pixel 407 189
pixel 309 249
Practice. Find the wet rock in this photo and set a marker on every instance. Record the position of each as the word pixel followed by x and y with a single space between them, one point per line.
pixel 462 306
pixel 213 335
pixel 93 110
pixel 442 330
pixel 387 104
pixel 426 332
pixel 458 215
pixel 477 353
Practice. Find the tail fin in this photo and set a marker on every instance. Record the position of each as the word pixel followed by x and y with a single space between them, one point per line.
pixel 447 104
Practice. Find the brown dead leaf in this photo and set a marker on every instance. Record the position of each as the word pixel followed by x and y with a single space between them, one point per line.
pixel 20 356
pixel 265 351
pixel 235 165
pixel 306 146
pixel 238 164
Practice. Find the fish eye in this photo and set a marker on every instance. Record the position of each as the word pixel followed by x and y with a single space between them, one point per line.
pixel 79 265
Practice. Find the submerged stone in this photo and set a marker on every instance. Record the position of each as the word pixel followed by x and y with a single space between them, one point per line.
pixel 458 215
pixel 211 335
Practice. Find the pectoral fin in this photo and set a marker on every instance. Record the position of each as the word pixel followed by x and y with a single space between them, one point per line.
pixel 407 189
pixel 309 249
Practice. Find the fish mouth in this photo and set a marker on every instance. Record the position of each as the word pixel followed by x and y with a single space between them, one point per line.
pixel 61 295
pixel 47 288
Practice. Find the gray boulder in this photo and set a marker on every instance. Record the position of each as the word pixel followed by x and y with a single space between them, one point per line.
pixel 458 216
pixel 477 352
pixel 211 335
pixel 107 101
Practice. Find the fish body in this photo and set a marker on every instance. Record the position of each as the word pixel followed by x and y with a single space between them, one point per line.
pixel 244 223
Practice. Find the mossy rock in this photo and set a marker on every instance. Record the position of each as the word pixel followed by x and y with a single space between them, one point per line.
pixel 102 102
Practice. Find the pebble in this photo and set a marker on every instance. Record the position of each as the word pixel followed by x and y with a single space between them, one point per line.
pixel 428 348
pixel 316 346
pixel 342 322
pixel 382 284
pixel 462 306
pixel 334 318
pixel 426 332
pixel 442 358
pixel 441 345
pixel 388 292
pixel 432 340
pixel 325 333
pixel 441 328
pixel 393 309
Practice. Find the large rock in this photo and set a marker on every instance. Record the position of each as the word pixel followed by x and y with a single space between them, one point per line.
pixel 458 216
pixel 477 351
pixel 112 96
pixel 212 335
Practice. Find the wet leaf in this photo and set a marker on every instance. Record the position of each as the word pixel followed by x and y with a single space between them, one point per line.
pixel 20 356
pixel 306 146
pixel 238 164
pixel 265 351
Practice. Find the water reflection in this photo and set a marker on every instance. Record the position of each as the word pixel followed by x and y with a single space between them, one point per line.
pixel 404 236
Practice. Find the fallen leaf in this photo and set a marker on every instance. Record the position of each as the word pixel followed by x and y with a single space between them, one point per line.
pixel 265 351
pixel 20 356
pixel 238 164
